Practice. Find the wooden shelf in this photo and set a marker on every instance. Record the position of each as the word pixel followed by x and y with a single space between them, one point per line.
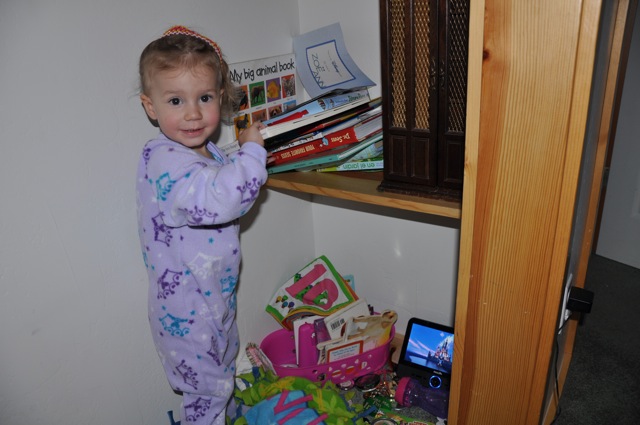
pixel 360 187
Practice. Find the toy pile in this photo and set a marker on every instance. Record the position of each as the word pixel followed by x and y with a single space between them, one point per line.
pixel 330 362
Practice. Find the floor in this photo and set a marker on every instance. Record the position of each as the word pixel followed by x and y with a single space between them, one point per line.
pixel 603 382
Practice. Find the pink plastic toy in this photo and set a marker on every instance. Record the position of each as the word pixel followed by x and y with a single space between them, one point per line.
pixel 279 347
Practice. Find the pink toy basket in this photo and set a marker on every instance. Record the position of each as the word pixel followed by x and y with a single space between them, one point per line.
pixel 279 347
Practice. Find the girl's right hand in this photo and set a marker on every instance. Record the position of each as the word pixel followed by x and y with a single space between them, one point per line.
pixel 251 134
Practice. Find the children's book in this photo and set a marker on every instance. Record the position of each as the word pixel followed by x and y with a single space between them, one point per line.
pixel 339 123
pixel 373 151
pixel 371 164
pixel 359 334
pixel 370 158
pixel 308 131
pixel 267 87
pixel 321 103
pixel 303 119
pixel 317 289
pixel 346 136
pixel 325 63
pixel 372 330
pixel 336 321
pixel 342 351
pixel 325 159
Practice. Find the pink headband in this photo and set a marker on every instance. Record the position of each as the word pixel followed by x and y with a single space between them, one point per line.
pixel 179 29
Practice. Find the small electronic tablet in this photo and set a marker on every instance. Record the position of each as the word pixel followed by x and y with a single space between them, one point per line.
pixel 427 353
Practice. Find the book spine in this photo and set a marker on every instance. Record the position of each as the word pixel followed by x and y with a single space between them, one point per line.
pixel 362 165
pixel 341 99
pixel 330 141
pixel 300 141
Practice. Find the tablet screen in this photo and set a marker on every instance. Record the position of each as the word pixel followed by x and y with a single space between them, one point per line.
pixel 427 353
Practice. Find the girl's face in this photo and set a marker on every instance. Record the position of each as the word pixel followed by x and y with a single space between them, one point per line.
pixel 186 105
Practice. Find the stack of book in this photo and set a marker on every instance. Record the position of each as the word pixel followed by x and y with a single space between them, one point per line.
pixel 339 131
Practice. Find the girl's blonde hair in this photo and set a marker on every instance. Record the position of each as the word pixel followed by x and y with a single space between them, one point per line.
pixel 178 51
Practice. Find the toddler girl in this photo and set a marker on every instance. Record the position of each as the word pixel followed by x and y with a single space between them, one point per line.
pixel 190 196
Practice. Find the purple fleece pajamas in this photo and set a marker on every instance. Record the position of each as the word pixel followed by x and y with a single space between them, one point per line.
pixel 188 210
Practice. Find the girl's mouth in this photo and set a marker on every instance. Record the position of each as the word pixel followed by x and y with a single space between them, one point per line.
pixel 194 132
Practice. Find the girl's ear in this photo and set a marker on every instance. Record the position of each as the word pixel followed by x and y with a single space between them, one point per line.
pixel 148 106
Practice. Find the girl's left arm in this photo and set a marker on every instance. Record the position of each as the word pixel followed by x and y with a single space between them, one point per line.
pixel 213 193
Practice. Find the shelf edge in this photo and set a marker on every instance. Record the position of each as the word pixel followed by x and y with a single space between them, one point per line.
pixel 353 187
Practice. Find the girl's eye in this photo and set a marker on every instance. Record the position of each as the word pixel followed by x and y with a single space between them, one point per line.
pixel 174 101
pixel 206 98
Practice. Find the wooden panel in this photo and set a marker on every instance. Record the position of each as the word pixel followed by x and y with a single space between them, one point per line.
pixel 360 187
pixel 462 339
pixel 533 104
pixel 451 167
pixel 422 159
pixel 396 153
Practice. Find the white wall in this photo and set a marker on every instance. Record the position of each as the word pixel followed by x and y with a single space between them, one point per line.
pixel 74 341
pixel 75 346
pixel 619 237
pixel 401 261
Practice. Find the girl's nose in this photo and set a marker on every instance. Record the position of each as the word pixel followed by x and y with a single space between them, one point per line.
pixel 193 113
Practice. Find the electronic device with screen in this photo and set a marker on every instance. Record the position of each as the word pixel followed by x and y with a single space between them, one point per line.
pixel 427 353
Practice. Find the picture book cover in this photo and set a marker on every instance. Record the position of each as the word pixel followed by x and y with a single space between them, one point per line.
pixel 268 86
pixel 325 62
pixel 317 289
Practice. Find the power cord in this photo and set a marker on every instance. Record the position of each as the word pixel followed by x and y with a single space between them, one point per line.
pixel 555 367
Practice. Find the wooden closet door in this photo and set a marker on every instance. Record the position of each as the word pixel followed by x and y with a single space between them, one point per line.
pixel 410 92
pixel 424 70
pixel 452 91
